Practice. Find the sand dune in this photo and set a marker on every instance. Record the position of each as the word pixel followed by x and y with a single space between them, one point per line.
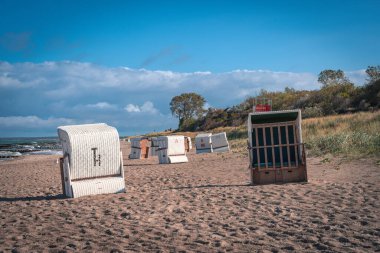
pixel 205 205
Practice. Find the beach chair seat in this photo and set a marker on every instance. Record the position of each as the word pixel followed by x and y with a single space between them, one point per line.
pixel 98 186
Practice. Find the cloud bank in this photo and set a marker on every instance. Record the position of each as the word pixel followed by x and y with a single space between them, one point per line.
pixel 45 95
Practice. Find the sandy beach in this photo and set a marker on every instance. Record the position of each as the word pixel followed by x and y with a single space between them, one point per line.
pixel 206 205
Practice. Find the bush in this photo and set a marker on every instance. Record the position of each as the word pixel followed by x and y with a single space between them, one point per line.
pixel 312 112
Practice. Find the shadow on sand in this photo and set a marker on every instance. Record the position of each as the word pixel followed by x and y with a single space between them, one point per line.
pixel 136 165
pixel 208 186
pixel 49 197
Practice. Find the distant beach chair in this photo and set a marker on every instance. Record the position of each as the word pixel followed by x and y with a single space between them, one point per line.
pixel 153 146
pixel 276 151
pixel 188 144
pixel 171 149
pixel 92 161
pixel 219 142
pixel 203 143
pixel 139 148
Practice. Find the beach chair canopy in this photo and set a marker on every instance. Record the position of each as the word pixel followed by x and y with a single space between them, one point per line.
pixel 172 149
pixel 154 146
pixel 219 142
pixel 93 150
pixel 140 148
pixel 92 160
pixel 203 143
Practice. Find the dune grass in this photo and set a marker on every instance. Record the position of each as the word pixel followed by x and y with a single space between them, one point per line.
pixel 350 134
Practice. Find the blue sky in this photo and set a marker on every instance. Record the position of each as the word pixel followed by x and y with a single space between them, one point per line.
pixel 120 62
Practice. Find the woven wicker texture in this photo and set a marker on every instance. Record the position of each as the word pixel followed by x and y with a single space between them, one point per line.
pixel 219 142
pixel 203 143
pixel 135 148
pixel 171 149
pixel 154 146
pixel 93 150
pixel 98 186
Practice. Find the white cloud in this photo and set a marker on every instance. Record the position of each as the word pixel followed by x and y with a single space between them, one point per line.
pixel 357 76
pixel 33 122
pixel 102 105
pixel 147 107
pixel 65 92
pixel 132 108
pixel 76 79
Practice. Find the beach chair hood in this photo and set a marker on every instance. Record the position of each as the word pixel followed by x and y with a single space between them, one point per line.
pixel 91 152
pixel 220 143
pixel 203 143
pixel 172 149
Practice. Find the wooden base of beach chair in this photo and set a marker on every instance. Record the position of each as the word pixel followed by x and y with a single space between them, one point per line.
pixel 271 176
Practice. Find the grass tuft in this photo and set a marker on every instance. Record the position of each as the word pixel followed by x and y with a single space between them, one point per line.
pixel 352 134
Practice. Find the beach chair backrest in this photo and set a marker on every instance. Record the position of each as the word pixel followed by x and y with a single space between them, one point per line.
pixel 154 146
pixel 219 140
pixel 275 138
pixel 203 141
pixel 135 143
pixel 93 150
pixel 176 145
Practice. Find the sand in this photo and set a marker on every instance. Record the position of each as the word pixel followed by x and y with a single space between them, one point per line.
pixel 205 205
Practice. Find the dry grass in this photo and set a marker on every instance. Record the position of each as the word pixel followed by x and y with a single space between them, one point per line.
pixel 351 134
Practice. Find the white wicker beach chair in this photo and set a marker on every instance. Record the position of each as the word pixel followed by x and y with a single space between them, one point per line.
pixel 153 146
pixel 203 143
pixel 172 149
pixel 219 142
pixel 92 161
pixel 139 148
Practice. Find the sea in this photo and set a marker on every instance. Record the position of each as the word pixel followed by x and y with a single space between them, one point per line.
pixel 11 148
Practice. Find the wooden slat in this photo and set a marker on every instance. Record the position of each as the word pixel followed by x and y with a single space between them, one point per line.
pixel 287 146
pixel 280 142
pixel 257 144
pixel 282 145
pixel 274 124
pixel 265 149
pixel 272 142
pixel 295 147
pixel 279 169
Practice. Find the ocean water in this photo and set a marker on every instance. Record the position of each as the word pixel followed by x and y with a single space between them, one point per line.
pixel 14 147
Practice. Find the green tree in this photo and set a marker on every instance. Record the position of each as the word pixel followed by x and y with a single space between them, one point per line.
pixel 336 94
pixel 337 98
pixel 186 107
pixel 373 73
pixel 332 77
